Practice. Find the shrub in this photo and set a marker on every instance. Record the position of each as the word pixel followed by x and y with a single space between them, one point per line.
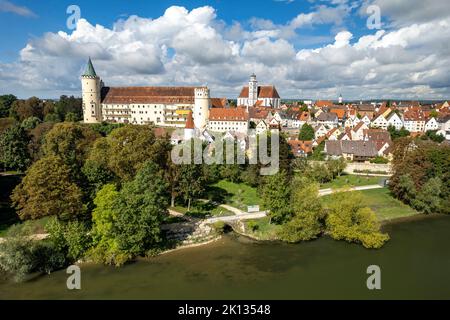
pixel 219 227
pixel 253 225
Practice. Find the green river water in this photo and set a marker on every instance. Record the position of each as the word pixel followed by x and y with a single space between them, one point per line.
pixel 415 264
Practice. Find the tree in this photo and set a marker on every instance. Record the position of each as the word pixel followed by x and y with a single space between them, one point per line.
pixel 37 139
pixel 105 246
pixel 428 199
pixel 30 123
pixel 47 190
pixel 274 194
pixel 347 219
pixel 395 134
pixel 432 135
pixel 70 238
pixel 127 223
pixel 6 102
pixel 22 109
pixel 14 152
pixel 127 148
pixel 191 183
pixel 306 222
pixel 71 142
pixel 306 133
pixel 22 255
pixel 336 166
pixel 143 205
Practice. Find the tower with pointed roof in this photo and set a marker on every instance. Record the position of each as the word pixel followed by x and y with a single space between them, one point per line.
pixel 91 95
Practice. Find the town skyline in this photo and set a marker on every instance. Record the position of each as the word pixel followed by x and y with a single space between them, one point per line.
pixel 309 50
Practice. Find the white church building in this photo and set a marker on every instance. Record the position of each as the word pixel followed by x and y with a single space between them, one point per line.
pixel 255 95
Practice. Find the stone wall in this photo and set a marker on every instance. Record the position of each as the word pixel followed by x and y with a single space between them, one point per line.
pixel 372 167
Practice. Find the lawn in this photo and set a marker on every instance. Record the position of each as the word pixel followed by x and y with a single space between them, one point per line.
pixel 385 206
pixel 202 209
pixel 352 181
pixel 238 195
pixel 262 229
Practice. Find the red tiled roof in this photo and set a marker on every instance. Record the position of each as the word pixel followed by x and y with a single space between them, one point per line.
pixel 189 121
pixel 340 112
pixel 297 146
pixel 127 95
pixel 218 102
pixel 323 103
pixel 228 114
pixel 263 92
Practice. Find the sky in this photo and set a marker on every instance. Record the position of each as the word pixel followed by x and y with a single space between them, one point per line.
pixel 310 49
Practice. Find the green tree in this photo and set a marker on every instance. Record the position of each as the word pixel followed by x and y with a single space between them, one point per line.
pixel 307 212
pixel 105 245
pixel 70 238
pixel 191 182
pixel 348 220
pixel 6 102
pixel 127 148
pixel 428 199
pixel 22 109
pixel 71 142
pixel 306 133
pixel 47 190
pixel 336 167
pixel 30 123
pixel 274 195
pixel 22 255
pixel 14 152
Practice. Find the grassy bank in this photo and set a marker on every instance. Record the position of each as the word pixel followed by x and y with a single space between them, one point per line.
pixel 382 203
pixel 201 209
pixel 352 181
pixel 238 195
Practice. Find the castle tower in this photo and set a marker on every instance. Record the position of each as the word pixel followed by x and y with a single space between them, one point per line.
pixel 252 90
pixel 202 103
pixel 91 87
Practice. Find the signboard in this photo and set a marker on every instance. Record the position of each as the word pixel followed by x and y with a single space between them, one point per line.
pixel 253 208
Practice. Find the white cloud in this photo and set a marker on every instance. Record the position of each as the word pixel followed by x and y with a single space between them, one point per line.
pixel 7 6
pixel 184 47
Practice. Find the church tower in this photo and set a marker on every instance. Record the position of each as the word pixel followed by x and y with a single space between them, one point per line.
pixel 91 87
pixel 252 90
pixel 202 103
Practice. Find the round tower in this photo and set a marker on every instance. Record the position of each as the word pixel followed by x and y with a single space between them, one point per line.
pixel 91 87
pixel 202 102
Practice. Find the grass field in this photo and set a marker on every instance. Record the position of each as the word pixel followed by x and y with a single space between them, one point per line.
pixel 382 203
pixel 238 195
pixel 352 181
pixel 203 209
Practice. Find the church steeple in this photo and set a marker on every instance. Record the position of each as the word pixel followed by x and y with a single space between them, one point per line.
pixel 90 71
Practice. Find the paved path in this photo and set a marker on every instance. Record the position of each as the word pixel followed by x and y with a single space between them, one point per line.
pixel 324 192
pixel 243 216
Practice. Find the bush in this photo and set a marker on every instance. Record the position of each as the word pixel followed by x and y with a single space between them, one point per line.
pixel 70 238
pixel 22 255
pixel 379 159
pixel 253 225
pixel 219 227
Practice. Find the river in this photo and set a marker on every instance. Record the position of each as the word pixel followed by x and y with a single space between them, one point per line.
pixel 415 264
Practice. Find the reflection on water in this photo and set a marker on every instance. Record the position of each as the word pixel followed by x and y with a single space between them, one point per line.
pixel 414 264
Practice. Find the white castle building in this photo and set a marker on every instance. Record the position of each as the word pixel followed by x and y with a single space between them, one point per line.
pixel 160 106
pixel 258 96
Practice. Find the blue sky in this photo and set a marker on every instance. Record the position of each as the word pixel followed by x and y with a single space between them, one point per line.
pixel 308 49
